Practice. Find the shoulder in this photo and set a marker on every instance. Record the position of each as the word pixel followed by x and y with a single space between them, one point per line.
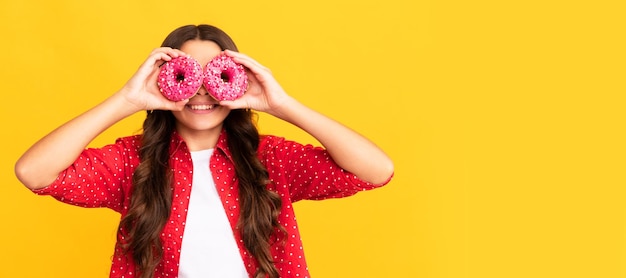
pixel 270 140
pixel 128 144
pixel 272 143
pixel 276 147
pixel 130 141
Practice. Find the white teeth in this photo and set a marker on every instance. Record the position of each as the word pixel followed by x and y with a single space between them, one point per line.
pixel 202 107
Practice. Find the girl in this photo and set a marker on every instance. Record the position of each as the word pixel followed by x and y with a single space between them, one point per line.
pixel 200 192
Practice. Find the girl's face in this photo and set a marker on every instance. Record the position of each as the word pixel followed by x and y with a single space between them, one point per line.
pixel 202 117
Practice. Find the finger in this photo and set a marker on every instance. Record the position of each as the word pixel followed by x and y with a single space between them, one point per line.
pixel 258 71
pixel 170 51
pixel 163 54
pixel 176 106
pixel 245 60
pixel 152 60
pixel 259 74
pixel 173 52
pixel 160 49
pixel 167 53
pixel 180 105
pixel 235 104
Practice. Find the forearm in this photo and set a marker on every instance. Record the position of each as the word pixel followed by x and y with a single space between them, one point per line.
pixel 349 150
pixel 40 164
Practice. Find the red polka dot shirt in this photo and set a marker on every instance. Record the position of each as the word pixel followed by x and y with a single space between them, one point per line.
pixel 102 177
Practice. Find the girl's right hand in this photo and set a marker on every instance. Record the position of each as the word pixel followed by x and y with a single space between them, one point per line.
pixel 142 91
pixel 40 165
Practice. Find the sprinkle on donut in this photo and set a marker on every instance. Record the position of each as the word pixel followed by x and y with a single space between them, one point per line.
pixel 225 79
pixel 180 78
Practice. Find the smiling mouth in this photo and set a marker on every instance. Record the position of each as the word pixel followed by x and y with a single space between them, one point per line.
pixel 201 107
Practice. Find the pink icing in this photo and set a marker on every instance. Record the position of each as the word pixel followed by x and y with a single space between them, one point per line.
pixel 225 79
pixel 180 78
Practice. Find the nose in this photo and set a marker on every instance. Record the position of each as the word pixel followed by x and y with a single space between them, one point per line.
pixel 202 91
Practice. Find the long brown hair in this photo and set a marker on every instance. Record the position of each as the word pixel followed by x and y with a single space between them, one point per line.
pixel 151 198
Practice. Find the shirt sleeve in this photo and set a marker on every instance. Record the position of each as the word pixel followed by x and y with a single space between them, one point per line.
pixel 308 172
pixel 98 178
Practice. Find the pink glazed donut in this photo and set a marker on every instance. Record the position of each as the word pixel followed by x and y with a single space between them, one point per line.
pixel 225 79
pixel 180 78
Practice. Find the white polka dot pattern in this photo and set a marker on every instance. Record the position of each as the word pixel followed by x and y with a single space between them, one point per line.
pixel 103 178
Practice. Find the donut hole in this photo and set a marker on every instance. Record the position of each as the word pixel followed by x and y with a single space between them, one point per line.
pixel 225 77
pixel 180 77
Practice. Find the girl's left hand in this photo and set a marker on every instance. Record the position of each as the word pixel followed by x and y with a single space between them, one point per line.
pixel 264 93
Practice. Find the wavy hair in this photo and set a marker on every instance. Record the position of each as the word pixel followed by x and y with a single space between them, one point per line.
pixel 151 198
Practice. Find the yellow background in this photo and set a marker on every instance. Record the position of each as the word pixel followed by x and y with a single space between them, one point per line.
pixel 505 120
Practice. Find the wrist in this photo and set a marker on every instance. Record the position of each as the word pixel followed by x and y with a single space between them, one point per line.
pixel 285 108
pixel 122 104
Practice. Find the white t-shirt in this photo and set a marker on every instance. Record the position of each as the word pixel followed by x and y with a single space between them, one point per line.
pixel 208 247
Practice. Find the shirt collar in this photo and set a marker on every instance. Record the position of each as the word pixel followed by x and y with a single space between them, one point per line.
pixel 177 143
pixel 222 144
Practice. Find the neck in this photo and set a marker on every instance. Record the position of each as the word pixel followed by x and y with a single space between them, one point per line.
pixel 200 140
